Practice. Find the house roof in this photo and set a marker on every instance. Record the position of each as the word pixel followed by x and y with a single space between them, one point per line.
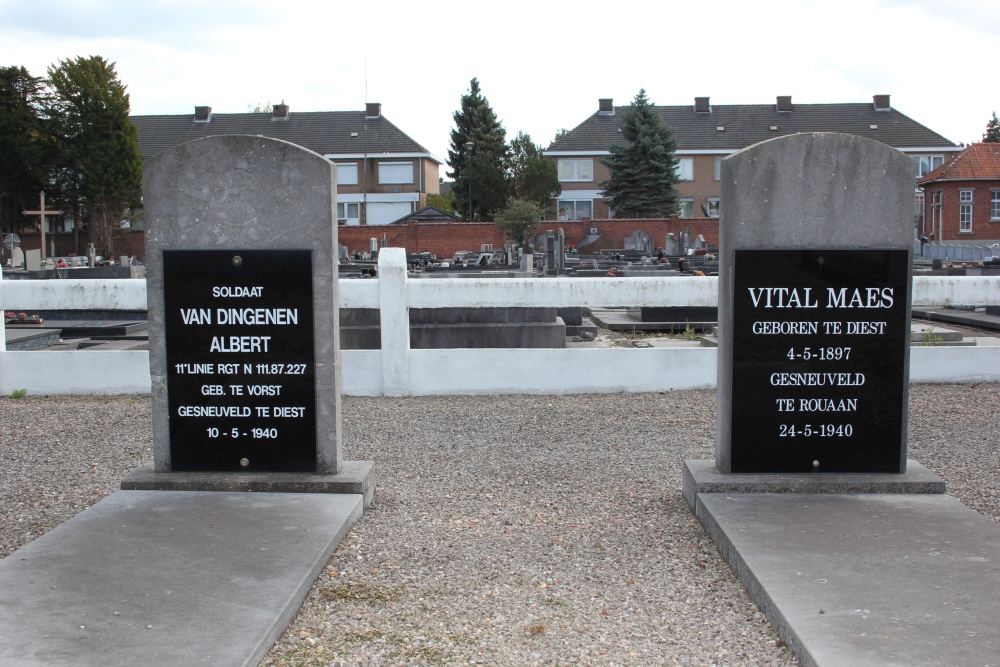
pixel 976 163
pixel 428 214
pixel 746 124
pixel 324 132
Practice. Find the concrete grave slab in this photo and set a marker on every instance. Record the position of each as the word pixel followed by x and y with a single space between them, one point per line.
pixel 168 578
pixel 880 580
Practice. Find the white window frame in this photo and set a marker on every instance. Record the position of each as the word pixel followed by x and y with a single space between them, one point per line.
pixel 685 168
pixel 347 173
pixel 395 173
pixel 994 205
pixel 713 207
pixel 927 163
pixel 571 214
pixel 344 216
pixel 965 211
pixel 718 168
pixel 685 207
pixel 569 170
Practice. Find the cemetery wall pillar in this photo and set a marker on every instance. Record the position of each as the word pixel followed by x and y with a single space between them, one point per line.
pixel 395 317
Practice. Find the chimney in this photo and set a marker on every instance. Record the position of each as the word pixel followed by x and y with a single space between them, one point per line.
pixel 606 106
pixel 373 110
pixel 701 105
pixel 202 114
pixel 881 102
pixel 784 103
pixel 279 111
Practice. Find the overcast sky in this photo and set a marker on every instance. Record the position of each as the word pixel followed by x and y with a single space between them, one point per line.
pixel 542 65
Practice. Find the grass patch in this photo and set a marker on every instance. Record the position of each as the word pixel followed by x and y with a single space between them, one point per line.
pixel 362 593
pixel 362 637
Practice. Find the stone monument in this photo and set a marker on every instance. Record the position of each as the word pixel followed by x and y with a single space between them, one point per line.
pixel 816 239
pixel 241 258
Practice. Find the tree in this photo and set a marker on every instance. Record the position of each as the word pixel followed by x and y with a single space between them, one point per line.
pixel 25 144
pixel 643 172
pixel 519 219
pixel 533 176
pixel 992 134
pixel 102 163
pixel 484 167
pixel 440 201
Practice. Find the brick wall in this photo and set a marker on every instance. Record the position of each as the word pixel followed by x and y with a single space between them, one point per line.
pixel 444 239
pixel 441 238
pixel 126 243
pixel 983 227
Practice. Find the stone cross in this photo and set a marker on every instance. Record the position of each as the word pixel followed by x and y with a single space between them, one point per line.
pixel 41 213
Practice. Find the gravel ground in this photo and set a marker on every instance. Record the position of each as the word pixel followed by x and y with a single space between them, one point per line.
pixel 512 530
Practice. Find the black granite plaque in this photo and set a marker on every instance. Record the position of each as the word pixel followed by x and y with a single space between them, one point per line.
pixel 240 362
pixel 819 348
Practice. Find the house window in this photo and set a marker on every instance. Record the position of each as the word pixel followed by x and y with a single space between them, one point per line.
pixel 995 205
pixel 718 168
pixel 576 170
pixel 712 210
pixel 347 173
pixel 349 214
pixel 575 209
pixel 685 209
pixel 391 173
pixel 965 211
pixel 685 168
pixel 928 163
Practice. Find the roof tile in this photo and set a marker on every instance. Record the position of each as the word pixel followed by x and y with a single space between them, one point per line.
pixel 747 124
pixel 325 132
pixel 977 162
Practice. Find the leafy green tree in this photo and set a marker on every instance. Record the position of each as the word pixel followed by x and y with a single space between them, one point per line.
pixel 519 219
pixel 100 144
pixel 644 171
pixel 992 134
pixel 479 172
pixel 440 201
pixel 25 144
pixel 533 176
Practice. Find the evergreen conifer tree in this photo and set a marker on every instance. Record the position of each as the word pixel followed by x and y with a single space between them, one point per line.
pixel 25 144
pixel 101 144
pixel 643 171
pixel 484 168
pixel 992 134
pixel 533 176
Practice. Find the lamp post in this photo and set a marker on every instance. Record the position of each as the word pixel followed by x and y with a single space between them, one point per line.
pixel 469 147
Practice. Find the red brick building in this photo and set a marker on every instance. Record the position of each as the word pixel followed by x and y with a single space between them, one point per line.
pixel 962 197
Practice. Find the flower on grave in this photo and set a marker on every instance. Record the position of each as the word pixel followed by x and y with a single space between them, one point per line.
pixel 9 314
pixel 22 316
pixel 979 264
pixel 709 257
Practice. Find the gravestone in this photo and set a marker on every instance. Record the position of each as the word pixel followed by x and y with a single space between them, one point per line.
pixel 814 293
pixel 17 257
pixel 241 259
pixel 33 260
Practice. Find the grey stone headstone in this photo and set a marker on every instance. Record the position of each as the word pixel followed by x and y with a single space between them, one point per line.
pixel 18 257
pixel 806 191
pixel 33 260
pixel 254 193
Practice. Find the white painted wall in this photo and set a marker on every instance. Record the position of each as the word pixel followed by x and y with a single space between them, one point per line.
pixel 398 370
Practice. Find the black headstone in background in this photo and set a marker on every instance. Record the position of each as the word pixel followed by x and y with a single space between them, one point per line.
pixel 818 360
pixel 240 361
